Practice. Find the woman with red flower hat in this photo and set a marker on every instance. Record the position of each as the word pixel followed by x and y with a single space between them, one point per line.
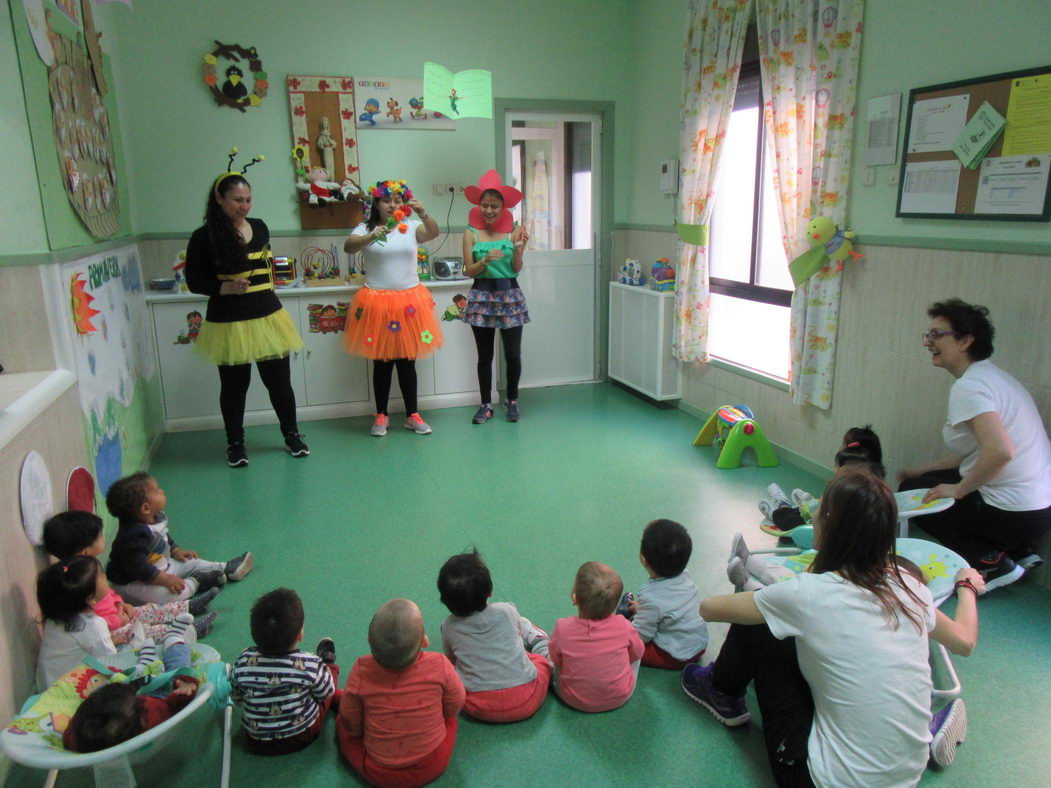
pixel 493 247
pixel 391 319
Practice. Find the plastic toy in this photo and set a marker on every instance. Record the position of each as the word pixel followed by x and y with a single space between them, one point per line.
pixel 828 243
pixel 631 273
pixel 733 428
pixel 423 263
pixel 662 276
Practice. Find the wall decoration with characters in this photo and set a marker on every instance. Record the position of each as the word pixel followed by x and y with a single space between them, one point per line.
pixel 229 69
pixel 386 103
pixel 327 318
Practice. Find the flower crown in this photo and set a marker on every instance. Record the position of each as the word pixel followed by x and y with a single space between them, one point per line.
pixel 230 168
pixel 384 189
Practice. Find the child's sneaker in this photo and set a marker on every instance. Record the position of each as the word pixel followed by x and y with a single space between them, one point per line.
pixel 697 684
pixel 202 625
pixel 379 427
pixel 806 503
pixel 483 414
pixel 198 605
pixel 237 568
pixel 236 456
pixel 326 649
pixel 415 423
pixel 949 729
pixel 774 491
pixel 295 445
pixel 998 570
pixel 206 581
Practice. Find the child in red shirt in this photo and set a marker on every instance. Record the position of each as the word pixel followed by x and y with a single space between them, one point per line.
pixel 397 720
pixel 596 654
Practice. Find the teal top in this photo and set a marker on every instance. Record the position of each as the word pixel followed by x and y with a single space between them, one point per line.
pixel 497 269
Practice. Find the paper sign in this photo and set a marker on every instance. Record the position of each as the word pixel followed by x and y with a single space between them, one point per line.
pixel 1029 116
pixel 882 144
pixel 466 94
pixel 930 187
pixel 1013 185
pixel 978 135
pixel 936 123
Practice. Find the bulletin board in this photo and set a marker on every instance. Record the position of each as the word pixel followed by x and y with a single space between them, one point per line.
pixel 943 134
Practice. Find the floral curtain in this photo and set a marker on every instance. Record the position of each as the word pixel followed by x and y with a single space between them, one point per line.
pixel 712 62
pixel 809 51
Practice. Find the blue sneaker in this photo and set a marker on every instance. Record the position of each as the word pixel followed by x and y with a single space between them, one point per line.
pixel 697 684
pixel 949 729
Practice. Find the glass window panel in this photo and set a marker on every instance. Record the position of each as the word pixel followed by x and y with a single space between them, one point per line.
pixel 733 213
pixel 773 264
pixel 750 333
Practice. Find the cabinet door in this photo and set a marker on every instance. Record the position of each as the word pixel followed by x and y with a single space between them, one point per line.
pixel 190 384
pixel 456 364
pixel 331 374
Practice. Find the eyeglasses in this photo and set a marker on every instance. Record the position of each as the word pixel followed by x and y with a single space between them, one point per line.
pixel 938 333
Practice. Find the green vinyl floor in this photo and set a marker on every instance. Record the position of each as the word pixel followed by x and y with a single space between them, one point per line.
pixel 363 520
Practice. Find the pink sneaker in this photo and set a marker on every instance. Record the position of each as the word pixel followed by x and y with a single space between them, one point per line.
pixel 417 424
pixel 379 429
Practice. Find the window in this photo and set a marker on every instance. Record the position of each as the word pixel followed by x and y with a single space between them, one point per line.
pixel 748 271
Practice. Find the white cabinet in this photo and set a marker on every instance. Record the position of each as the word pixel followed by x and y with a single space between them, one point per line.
pixel 641 326
pixel 328 382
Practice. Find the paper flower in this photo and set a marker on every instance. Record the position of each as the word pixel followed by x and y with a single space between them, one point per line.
pixel 410 310
pixel 369 340
pixel 357 313
pixel 403 228
pixel 394 326
pixel 427 337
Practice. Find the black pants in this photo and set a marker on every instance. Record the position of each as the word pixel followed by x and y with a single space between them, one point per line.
pixel 752 653
pixel 972 527
pixel 383 374
pixel 276 375
pixel 485 341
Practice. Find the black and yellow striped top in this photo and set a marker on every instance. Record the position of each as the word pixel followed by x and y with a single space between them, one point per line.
pixel 202 277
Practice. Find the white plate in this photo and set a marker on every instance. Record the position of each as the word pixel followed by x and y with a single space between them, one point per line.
pixel 910 504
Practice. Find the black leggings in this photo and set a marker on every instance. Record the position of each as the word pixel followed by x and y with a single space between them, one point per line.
pixel 752 653
pixel 485 340
pixel 383 373
pixel 276 375
pixel 973 527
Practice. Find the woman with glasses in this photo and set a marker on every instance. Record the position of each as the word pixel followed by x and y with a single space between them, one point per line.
pixel 999 465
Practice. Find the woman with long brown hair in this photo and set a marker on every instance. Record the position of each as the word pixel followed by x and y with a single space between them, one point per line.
pixel 839 655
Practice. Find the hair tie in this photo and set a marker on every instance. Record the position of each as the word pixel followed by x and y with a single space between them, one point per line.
pixel 852 444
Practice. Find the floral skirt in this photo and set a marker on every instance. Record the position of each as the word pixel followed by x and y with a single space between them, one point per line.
pixel 390 324
pixel 496 308
pixel 245 341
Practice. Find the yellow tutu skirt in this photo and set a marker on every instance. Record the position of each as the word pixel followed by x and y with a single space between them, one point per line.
pixel 245 341
pixel 389 324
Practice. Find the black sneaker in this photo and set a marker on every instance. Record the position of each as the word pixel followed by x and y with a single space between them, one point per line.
pixel 198 605
pixel 206 581
pixel 1026 557
pixel 296 447
pixel 483 414
pixel 237 568
pixel 998 570
pixel 326 649
pixel 511 408
pixel 236 456
pixel 202 625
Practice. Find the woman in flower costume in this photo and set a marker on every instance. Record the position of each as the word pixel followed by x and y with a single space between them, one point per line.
pixel 493 247
pixel 392 319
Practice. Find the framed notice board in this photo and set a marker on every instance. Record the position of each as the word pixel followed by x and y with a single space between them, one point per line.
pixel 979 149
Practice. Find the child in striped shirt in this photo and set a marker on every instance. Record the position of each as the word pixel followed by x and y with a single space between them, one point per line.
pixel 666 614
pixel 284 693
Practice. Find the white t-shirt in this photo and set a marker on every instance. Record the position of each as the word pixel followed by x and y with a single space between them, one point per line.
pixel 1025 482
pixel 871 682
pixel 61 651
pixel 392 264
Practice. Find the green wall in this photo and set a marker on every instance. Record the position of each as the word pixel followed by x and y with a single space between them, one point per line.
pixel 177 137
pixel 19 200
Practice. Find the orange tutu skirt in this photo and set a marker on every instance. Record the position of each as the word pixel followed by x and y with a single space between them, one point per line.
pixel 390 324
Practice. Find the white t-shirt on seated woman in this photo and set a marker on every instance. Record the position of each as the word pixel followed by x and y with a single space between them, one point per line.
pixel 391 265
pixel 1024 485
pixel 871 682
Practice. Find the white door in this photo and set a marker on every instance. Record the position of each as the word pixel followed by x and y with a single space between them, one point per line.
pixel 553 158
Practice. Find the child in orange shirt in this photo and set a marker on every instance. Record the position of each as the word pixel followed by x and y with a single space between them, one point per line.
pixel 397 719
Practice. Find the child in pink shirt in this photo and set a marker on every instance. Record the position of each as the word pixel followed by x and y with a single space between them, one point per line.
pixel 397 719
pixel 596 654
